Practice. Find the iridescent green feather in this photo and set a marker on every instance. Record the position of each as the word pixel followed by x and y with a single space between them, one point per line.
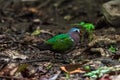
pixel 61 42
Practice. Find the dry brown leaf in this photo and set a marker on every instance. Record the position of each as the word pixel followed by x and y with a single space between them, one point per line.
pixel 31 9
pixel 72 68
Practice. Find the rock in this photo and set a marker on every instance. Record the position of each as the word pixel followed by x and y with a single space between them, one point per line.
pixel 111 12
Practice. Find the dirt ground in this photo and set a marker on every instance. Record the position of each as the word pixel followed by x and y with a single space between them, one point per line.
pixel 20 18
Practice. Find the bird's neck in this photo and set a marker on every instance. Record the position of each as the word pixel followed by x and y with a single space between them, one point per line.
pixel 75 37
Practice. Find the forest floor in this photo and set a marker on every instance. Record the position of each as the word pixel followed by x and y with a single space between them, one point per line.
pixel 20 58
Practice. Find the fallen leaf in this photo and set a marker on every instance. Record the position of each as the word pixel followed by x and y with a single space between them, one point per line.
pixel 72 68
pixel 105 77
pixel 36 32
pixel 31 9
pixel 22 67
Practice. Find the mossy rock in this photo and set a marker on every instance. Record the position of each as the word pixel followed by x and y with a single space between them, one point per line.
pixel 111 12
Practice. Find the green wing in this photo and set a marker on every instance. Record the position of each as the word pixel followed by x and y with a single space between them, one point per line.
pixel 61 42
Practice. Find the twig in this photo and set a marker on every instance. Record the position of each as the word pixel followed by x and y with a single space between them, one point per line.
pixel 31 61
pixel 102 51
pixel 55 76
pixel 44 4
pixel 115 68
pixel 13 78
pixel 43 31
pixel 101 39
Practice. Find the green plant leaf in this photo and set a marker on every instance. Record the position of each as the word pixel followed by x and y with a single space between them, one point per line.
pixel 88 26
pixel 112 49
pixel 98 73
pixel 36 32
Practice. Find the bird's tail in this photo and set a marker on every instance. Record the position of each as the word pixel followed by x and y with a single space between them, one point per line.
pixel 43 46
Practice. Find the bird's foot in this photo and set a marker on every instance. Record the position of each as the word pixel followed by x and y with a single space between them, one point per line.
pixel 62 58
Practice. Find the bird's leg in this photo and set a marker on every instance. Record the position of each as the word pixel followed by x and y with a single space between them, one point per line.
pixel 56 55
pixel 65 58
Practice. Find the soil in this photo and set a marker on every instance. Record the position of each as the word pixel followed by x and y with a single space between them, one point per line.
pixel 20 18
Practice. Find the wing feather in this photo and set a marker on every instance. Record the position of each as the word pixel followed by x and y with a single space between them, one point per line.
pixel 61 42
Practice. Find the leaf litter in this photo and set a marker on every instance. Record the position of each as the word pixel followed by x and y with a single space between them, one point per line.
pixel 24 27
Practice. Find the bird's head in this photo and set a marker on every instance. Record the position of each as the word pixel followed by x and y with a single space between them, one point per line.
pixel 75 30
pixel 75 34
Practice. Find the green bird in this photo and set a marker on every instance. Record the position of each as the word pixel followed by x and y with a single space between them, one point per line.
pixel 64 42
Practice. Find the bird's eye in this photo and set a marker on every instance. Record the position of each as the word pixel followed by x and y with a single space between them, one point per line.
pixel 76 30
